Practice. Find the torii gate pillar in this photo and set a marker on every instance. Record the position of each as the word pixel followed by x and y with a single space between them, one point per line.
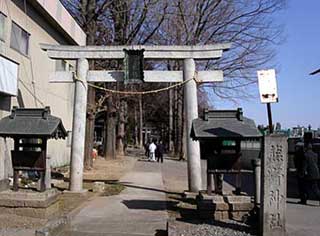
pixel 191 112
pixel 79 126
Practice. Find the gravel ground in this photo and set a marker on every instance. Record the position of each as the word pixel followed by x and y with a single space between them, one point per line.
pixel 15 221
pixel 174 175
pixel 213 228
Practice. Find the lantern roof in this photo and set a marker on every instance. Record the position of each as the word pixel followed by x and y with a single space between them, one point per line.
pixel 32 123
pixel 224 124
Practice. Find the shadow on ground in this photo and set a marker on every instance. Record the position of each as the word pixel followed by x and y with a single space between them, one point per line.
pixel 160 232
pixel 154 205
pixel 129 185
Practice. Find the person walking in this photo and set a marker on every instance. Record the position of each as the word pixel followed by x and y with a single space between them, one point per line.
pixel 312 174
pixel 146 149
pixel 152 149
pixel 159 152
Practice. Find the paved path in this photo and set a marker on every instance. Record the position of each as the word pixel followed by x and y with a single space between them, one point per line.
pixel 303 219
pixel 138 210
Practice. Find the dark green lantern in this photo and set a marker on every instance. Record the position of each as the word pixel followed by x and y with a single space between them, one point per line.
pixel 133 66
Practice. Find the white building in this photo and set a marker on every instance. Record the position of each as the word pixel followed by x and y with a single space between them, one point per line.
pixel 25 69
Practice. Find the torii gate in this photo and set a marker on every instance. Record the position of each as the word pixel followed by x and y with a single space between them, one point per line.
pixel 186 53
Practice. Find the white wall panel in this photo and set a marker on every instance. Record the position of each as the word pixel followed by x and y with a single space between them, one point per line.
pixel 8 77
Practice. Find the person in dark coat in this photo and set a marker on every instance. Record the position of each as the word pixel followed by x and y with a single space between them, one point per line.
pixel 146 148
pixel 299 161
pixel 159 152
pixel 311 173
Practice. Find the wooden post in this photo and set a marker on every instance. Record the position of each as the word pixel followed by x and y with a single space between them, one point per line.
pixel 209 183
pixel 238 166
pixel 42 181
pixel 47 175
pixel 16 172
pixel 15 180
pixel 270 117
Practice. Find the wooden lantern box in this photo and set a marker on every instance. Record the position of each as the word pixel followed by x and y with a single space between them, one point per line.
pixel 30 129
pixel 220 133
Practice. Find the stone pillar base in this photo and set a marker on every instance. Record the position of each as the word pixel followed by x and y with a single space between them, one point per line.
pixel 187 195
pixel 4 184
pixel 83 192
pixel 223 207
pixel 45 205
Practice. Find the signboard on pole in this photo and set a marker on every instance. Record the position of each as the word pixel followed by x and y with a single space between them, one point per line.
pixel 267 86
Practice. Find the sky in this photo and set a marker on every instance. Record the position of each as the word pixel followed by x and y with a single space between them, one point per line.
pixel 297 56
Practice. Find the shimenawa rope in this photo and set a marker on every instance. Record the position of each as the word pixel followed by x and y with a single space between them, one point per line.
pixel 141 92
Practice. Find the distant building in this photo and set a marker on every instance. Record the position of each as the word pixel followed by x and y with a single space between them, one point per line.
pixel 297 131
pixel 25 69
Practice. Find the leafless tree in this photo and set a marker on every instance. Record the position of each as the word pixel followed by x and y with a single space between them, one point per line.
pixel 118 22
pixel 247 24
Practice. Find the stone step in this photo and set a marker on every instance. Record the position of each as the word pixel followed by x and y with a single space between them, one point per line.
pixel 84 233
pixel 125 227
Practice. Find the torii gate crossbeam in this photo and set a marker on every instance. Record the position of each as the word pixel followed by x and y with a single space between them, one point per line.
pixel 186 53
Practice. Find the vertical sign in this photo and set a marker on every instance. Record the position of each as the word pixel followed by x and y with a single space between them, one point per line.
pixel 274 186
pixel 267 86
pixel 133 66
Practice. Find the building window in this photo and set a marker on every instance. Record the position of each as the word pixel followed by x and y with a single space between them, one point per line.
pixel 2 26
pixel 19 39
pixel 61 65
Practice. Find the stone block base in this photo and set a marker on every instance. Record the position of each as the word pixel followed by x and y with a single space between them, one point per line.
pixel 224 207
pixel 81 193
pixel 30 203
pixel 215 215
pixel 189 195
pixel 238 215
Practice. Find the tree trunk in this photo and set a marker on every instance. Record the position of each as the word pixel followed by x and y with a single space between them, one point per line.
pixel 121 128
pixel 136 127
pixel 119 15
pixel 175 127
pixel 110 144
pixel 180 123
pixel 170 121
pixel 89 138
pixel 183 149
pixel 140 122
pixel 88 11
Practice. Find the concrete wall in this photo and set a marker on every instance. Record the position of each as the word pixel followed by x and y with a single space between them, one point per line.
pixel 61 17
pixel 33 76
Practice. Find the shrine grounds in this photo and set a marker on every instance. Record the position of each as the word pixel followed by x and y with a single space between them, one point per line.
pixel 141 197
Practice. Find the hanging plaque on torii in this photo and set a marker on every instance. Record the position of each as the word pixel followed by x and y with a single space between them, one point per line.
pixel 133 66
